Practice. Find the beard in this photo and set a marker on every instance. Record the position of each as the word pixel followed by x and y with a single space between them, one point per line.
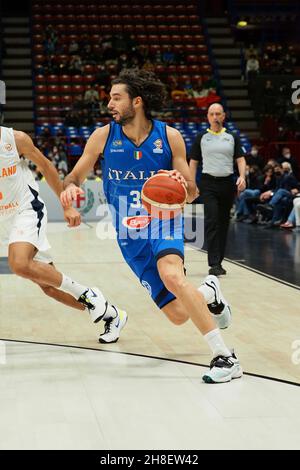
pixel 127 116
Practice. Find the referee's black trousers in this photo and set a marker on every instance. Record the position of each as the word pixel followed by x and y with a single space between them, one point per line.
pixel 218 195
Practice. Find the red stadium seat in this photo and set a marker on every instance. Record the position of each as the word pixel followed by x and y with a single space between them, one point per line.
pixel 77 79
pixel 78 89
pixel 66 99
pixel 65 89
pixel 53 99
pixel 53 79
pixel 40 89
pixel 64 79
pixel 40 79
pixel 53 89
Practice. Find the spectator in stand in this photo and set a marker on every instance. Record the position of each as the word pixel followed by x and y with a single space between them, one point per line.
pixel 294 216
pixel 253 158
pixel 86 119
pixel 265 182
pixel 102 77
pixel 242 210
pixel 278 201
pixel 148 65
pixel 251 52
pixel 78 103
pixel 72 120
pixel 252 68
pixel 168 56
pixel 73 47
pixel 75 65
pixel 286 156
pixel 91 98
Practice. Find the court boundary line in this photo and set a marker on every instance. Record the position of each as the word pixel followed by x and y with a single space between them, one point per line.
pixel 179 361
pixel 249 268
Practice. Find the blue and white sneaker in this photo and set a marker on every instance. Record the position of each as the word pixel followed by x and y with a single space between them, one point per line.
pixel 113 327
pixel 216 302
pixel 223 369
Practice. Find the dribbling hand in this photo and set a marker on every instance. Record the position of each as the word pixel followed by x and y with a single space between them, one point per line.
pixel 176 175
pixel 70 195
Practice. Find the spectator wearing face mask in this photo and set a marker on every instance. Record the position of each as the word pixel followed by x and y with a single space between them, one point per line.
pixel 254 159
pixel 281 199
pixel 286 156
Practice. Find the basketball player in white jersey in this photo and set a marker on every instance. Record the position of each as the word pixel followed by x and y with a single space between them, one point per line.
pixel 23 222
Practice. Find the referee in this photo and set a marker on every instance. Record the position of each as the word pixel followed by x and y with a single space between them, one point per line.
pixel 216 150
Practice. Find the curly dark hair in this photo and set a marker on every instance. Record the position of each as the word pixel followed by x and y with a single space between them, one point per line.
pixel 146 85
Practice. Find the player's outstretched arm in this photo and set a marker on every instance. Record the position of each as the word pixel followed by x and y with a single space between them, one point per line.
pixel 180 162
pixel 93 148
pixel 27 148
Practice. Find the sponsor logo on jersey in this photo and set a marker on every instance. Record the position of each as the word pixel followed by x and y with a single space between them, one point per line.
pixel 136 222
pixel 137 155
pixel 10 171
pixel 158 146
pixel 117 143
pixel 8 147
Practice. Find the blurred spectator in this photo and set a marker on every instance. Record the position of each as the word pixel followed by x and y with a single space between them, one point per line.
pixel 252 68
pixel 286 156
pixel 253 158
pixel 75 65
pixel 72 119
pixel 73 47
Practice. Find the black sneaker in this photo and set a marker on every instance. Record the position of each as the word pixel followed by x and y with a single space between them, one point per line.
pixel 217 271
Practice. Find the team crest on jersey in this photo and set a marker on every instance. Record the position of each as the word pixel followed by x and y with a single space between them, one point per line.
pixel 8 147
pixel 117 143
pixel 158 146
pixel 136 222
pixel 138 155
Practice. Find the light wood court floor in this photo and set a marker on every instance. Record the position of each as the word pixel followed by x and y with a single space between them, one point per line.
pixel 63 397
pixel 266 313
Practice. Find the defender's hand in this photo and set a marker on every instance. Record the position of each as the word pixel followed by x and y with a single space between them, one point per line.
pixel 72 216
pixel 70 194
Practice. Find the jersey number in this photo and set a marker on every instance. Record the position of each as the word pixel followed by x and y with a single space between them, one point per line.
pixel 136 199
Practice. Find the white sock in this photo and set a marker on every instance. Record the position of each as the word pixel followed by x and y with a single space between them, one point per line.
pixel 72 287
pixel 207 292
pixel 110 312
pixel 216 343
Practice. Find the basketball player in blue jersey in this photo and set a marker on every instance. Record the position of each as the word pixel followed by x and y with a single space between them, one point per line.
pixel 134 147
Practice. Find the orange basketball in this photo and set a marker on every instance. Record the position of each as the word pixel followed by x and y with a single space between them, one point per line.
pixel 163 197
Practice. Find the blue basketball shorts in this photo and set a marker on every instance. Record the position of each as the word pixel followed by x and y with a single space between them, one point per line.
pixel 142 254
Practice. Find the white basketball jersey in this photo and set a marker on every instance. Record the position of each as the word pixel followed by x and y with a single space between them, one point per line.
pixel 18 187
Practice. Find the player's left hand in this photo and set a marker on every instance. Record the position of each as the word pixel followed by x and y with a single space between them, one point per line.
pixel 72 216
pixel 241 184
pixel 176 175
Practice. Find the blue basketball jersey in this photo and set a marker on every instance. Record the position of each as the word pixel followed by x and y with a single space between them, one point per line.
pixel 126 167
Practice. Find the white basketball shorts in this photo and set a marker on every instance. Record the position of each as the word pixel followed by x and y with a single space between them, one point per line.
pixel 28 225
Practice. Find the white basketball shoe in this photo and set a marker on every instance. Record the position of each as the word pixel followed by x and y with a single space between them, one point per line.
pixel 95 302
pixel 223 369
pixel 216 302
pixel 113 327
